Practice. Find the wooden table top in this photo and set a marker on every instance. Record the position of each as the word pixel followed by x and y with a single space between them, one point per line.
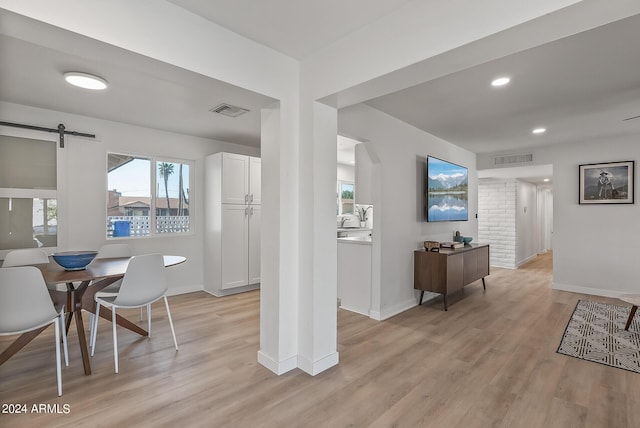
pixel 53 273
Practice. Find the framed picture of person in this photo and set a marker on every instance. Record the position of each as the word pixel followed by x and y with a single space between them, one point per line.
pixel 607 183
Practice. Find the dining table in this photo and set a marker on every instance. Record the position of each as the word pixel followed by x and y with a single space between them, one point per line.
pixel 81 288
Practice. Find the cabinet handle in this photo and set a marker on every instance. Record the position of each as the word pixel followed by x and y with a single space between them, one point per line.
pixel 246 198
pixel 251 211
pixel 252 197
pixel 246 211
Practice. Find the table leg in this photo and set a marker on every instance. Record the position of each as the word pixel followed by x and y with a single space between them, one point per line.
pixel 20 343
pixel 68 318
pixel 84 350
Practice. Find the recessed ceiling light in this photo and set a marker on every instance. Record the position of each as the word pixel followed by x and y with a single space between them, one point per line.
pixel 84 80
pixel 546 180
pixel 500 81
pixel 539 130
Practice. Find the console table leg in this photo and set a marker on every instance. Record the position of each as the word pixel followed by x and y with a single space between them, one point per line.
pixel 483 284
pixel 421 296
pixel 445 302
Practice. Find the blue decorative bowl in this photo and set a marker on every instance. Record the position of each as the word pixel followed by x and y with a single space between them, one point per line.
pixel 467 239
pixel 74 260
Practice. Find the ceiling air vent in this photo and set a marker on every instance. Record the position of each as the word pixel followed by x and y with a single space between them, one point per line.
pixel 229 110
pixel 513 159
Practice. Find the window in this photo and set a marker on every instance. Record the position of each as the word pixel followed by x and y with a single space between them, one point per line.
pixel 28 193
pixel 345 197
pixel 134 209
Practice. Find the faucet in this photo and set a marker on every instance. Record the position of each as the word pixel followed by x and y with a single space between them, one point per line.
pixel 342 221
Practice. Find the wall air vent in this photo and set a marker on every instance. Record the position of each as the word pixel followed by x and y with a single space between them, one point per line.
pixel 513 159
pixel 229 110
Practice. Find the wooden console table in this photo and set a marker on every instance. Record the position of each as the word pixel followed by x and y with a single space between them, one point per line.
pixel 448 271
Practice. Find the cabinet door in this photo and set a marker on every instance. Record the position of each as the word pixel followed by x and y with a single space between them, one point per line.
pixel 235 241
pixel 470 266
pixel 255 177
pixel 235 178
pixel 455 273
pixel 254 244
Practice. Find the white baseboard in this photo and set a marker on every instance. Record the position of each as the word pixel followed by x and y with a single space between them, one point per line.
pixel 315 367
pixel 588 290
pixel 387 313
pixel 275 366
pixel 230 291
pixel 521 262
pixel 357 311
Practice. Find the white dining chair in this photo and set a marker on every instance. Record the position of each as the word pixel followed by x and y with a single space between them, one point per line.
pixel 25 305
pixel 110 251
pixel 144 283
pixel 26 256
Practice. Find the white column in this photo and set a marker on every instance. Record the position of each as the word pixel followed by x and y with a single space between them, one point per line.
pixel 278 244
pixel 317 336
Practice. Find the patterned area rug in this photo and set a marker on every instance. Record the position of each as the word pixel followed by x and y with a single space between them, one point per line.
pixel 596 333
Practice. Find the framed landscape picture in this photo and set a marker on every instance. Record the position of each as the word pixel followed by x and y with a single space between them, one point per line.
pixel 607 183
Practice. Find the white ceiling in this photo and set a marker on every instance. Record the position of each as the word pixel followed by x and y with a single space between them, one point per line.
pixel 141 91
pixel 580 87
pixel 296 28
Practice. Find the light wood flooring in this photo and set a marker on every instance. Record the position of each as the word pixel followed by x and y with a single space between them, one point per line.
pixel 490 361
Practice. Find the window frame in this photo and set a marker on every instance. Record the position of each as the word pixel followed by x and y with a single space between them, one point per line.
pixel 155 160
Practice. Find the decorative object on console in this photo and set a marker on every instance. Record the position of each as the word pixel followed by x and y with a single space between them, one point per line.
pixel 452 245
pixel 432 245
pixel 607 183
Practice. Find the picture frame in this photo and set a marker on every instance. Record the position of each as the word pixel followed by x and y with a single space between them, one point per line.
pixel 607 183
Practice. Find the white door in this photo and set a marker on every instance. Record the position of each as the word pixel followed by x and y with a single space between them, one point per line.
pixel 235 178
pixel 254 244
pixel 255 177
pixel 235 245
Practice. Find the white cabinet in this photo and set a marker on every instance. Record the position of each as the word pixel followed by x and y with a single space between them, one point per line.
pixel 240 179
pixel 255 188
pixel 232 223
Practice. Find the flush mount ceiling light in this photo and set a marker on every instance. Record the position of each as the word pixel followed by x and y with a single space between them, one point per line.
pixel 84 80
pixel 500 81
pixel 546 180
pixel 539 131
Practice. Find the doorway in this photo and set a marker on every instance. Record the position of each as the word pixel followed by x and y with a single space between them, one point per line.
pixel 515 213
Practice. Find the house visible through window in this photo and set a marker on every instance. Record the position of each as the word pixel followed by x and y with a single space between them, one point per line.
pixel 134 209
pixel 28 193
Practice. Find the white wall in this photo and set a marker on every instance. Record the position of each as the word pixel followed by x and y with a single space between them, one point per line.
pixel 594 249
pixel 401 150
pixel 346 173
pixel 85 184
